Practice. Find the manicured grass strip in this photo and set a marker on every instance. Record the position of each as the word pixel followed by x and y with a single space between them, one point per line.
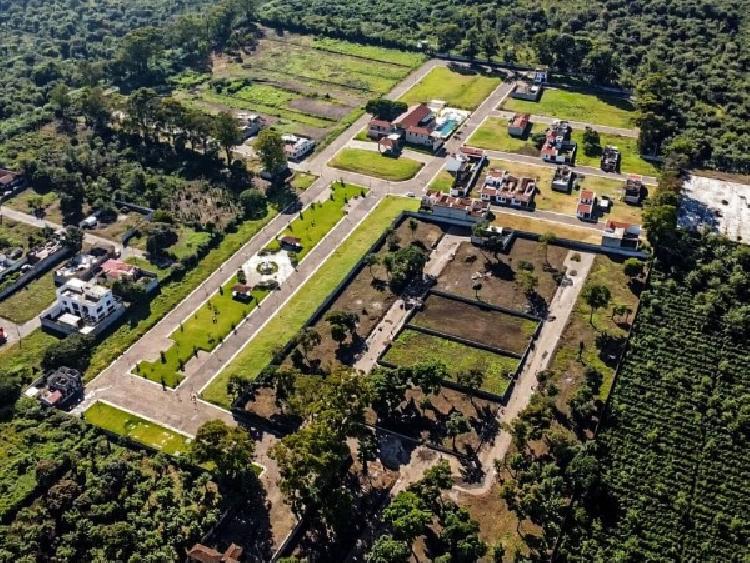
pixel 143 316
pixel 29 301
pixel 493 135
pixel 458 90
pixel 443 182
pixel 137 428
pixel 631 161
pixel 287 322
pixel 372 163
pixel 577 106
pixel 411 347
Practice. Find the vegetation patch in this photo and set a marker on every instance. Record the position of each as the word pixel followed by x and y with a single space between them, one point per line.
pixel 630 158
pixel 137 428
pixel 465 91
pixel 259 351
pixel 412 347
pixel 493 135
pixel 372 163
pixel 29 301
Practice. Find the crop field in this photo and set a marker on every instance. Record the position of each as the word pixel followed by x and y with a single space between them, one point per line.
pixel 375 164
pixel 291 318
pixel 675 451
pixel 221 314
pixel 501 287
pixel 301 84
pixel 138 429
pixel 411 347
pixel 577 106
pixel 477 323
pixel 464 91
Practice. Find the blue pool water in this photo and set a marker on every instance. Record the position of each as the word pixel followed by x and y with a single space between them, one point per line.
pixel 448 126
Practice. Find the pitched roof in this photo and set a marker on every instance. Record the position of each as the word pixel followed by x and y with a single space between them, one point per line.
pixel 520 120
pixel 419 131
pixel 413 116
pixel 380 123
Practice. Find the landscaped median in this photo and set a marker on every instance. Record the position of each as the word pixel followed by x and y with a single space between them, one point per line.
pixel 220 314
pixel 372 163
pixel 138 429
pixel 258 353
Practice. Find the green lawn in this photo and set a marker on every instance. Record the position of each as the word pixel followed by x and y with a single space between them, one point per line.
pixel 287 322
pixel 215 319
pixel 143 316
pixel 631 161
pixel 443 182
pixel 14 233
pixel 458 90
pixel 188 241
pixel 577 106
pixel 28 352
pixel 411 347
pixel 29 301
pixel 372 163
pixel 138 429
pixel 302 180
pixel 493 135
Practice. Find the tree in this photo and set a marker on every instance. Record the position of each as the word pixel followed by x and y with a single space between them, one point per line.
pixel 372 260
pixel 545 239
pixel 448 37
pixel 407 264
pixel 59 99
pixel 344 318
pixel 254 203
pixel 461 534
pixel 471 379
pixel 528 282
pixel 385 109
pixel 308 339
pixel 633 267
pixel 428 376
pixel 229 448
pixel 592 144
pixel 226 129
pixel 270 149
pixel 386 549
pixel 338 333
pixel 456 425
pixel 74 238
pixel 407 516
pixel 94 107
pixel 596 296
pixel 73 351
pixel 367 450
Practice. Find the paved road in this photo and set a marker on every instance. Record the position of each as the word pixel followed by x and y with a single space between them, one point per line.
pixel 620 131
pixel 90 238
pixel 14 332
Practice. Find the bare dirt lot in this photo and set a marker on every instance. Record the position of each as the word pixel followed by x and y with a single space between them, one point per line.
pixel 487 326
pixel 499 274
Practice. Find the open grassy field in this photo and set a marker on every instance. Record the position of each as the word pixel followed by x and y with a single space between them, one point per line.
pixel 493 135
pixel 216 318
pixel 288 321
pixel 137 428
pixel 577 106
pixel 29 301
pixel 631 161
pixel 15 234
pixel 27 353
pixel 458 90
pixel 302 180
pixel 372 163
pixel 29 200
pixel 300 84
pixel 443 182
pixel 411 347
pixel 541 226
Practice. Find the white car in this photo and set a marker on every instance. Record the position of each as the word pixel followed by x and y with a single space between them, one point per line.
pixel 410 194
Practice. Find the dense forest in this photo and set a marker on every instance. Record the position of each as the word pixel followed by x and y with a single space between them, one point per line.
pixel 686 60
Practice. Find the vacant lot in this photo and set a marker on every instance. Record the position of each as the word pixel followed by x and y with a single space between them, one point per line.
pixel 301 85
pixel 458 90
pixel 493 135
pixel 372 163
pixel 30 300
pixel 46 204
pixel 476 323
pixel 443 182
pixel 631 161
pixel 369 296
pixel 138 429
pixel 288 321
pixel 531 224
pixel 412 347
pixel 14 234
pixel 577 106
pixel 499 273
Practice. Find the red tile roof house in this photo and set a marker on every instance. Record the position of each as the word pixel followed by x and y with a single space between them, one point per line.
pixel 621 235
pixel 518 125
pixel 461 209
pixel 557 146
pixel 417 125
pixel 389 145
pixel 586 206
pixel 501 188
pixel 201 554
pixel 378 128
pixel 119 270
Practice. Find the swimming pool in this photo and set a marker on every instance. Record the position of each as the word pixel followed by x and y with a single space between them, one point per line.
pixel 447 127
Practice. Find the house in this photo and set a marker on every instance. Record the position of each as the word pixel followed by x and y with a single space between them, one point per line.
pixel 390 145
pixel 621 235
pixel 120 270
pixel 202 554
pixel 83 265
pixel 558 147
pixel 586 210
pixel 419 115
pixel 378 128
pixel 474 155
pixel 297 147
pixel 10 181
pixel 91 302
pixel 62 388
pixel 292 243
pixel 518 125
pixel 459 209
pixel 562 181
pixel 242 292
pixel 525 91
pixel 502 188
pixel 635 190
pixel 610 161
pixel 539 76
pixel 250 123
